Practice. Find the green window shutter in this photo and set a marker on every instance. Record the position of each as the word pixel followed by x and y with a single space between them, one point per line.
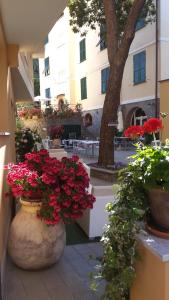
pixel 83 84
pixel 82 46
pixel 47 66
pixel 104 79
pixel 47 93
pixel 140 24
pixel 46 40
pixel 103 44
pixel 139 61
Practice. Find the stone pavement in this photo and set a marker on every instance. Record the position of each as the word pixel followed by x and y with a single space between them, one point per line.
pixel 67 280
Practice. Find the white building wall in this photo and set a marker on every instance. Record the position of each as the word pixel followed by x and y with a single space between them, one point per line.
pixel 164 39
pixel 58 52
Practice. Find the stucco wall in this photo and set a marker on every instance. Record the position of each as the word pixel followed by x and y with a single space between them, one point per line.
pixel 164 106
pixel 6 147
pixel 152 277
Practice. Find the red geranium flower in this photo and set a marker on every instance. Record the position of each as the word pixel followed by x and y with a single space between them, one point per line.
pixel 61 185
pixel 153 125
pixel 134 132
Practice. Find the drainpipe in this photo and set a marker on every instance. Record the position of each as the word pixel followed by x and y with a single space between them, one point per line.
pixel 156 62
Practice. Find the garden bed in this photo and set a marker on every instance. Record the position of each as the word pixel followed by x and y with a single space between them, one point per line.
pixel 109 174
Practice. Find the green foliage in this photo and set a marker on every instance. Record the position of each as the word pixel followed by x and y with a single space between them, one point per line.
pixel 154 162
pixel 149 168
pixel 91 13
pixel 19 124
pixel 65 111
pixel 25 142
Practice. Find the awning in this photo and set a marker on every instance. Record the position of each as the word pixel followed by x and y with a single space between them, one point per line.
pixel 20 90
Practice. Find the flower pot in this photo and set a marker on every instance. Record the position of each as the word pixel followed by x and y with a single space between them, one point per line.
pixel 32 244
pixel 56 143
pixel 159 207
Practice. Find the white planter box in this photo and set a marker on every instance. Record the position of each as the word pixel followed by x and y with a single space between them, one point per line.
pixel 57 153
pixel 94 220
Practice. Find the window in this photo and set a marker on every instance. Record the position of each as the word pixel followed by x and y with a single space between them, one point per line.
pixel 139 61
pixel 138 117
pixel 103 44
pixel 47 93
pixel 140 24
pixel 83 85
pixel 46 40
pixel 82 46
pixel 47 67
pixel 104 79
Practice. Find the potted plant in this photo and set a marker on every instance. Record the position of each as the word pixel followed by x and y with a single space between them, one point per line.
pixel 142 196
pixel 51 193
pixel 55 133
pixel 25 141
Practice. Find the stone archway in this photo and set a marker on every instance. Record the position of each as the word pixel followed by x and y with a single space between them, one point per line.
pixel 136 116
pixel 88 120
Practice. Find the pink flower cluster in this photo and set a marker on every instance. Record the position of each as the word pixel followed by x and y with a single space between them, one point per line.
pixel 30 112
pixel 61 186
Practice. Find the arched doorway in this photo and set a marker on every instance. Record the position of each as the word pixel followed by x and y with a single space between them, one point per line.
pixel 138 117
pixel 88 120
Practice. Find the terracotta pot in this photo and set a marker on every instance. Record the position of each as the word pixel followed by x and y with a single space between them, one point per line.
pixel 32 244
pixel 159 207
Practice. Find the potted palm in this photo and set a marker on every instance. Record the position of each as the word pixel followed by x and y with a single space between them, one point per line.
pixel 51 192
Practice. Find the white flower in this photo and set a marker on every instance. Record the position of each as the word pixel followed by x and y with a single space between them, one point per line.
pixel 25 141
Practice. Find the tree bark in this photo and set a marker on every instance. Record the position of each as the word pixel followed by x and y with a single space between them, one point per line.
pixel 117 55
pixel 111 103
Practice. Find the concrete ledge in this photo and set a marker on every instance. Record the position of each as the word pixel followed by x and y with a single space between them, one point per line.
pixel 158 246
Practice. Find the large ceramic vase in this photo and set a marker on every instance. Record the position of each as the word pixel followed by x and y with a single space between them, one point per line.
pixel 159 207
pixel 32 244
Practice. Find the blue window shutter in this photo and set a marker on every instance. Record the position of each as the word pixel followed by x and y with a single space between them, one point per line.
pixel 139 61
pixel 104 79
pixel 140 24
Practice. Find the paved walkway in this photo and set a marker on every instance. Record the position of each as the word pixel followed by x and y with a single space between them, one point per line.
pixel 119 155
pixel 67 280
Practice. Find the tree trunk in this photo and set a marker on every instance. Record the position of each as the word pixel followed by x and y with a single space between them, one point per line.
pixel 111 104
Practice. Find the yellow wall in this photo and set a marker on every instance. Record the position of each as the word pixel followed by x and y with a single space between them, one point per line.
pixel 164 105
pixel 7 153
pixel 152 278
pixel 147 89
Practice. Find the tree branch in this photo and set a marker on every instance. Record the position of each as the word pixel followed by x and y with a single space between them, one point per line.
pixel 129 31
pixel 111 28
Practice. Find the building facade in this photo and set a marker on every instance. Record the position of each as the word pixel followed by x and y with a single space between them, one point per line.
pixel 79 70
